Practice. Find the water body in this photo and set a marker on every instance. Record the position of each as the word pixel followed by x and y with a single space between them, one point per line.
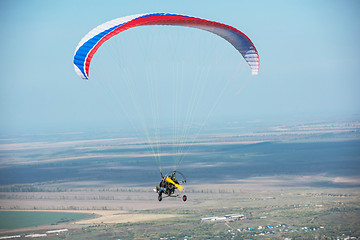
pixel 19 219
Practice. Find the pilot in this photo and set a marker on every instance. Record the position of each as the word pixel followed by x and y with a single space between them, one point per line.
pixel 174 179
pixel 162 186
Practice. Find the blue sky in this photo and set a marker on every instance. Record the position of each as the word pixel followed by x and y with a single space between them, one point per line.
pixel 309 59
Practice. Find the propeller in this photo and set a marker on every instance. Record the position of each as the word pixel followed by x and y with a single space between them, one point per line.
pixel 169 180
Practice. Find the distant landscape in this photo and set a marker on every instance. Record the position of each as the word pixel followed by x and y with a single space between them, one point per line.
pixel 329 150
pixel 287 176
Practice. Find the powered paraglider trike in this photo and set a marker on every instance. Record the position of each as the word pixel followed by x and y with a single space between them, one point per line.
pixel 171 186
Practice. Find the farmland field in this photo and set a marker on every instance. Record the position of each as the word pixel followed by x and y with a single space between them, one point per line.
pixel 300 212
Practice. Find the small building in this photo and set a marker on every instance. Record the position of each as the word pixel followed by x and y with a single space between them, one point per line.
pixel 230 217
pixel 36 235
pixel 57 231
pixel 235 217
pixel 215 218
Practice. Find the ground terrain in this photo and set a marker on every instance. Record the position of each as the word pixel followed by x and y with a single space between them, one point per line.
pixel 298 182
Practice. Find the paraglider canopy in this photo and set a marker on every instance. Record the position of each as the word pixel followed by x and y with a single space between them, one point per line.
pixel 95 38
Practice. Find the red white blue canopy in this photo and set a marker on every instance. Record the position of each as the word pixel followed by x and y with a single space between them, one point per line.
pixel 95 38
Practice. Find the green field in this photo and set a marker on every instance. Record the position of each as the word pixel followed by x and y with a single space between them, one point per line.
pixel 19 219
